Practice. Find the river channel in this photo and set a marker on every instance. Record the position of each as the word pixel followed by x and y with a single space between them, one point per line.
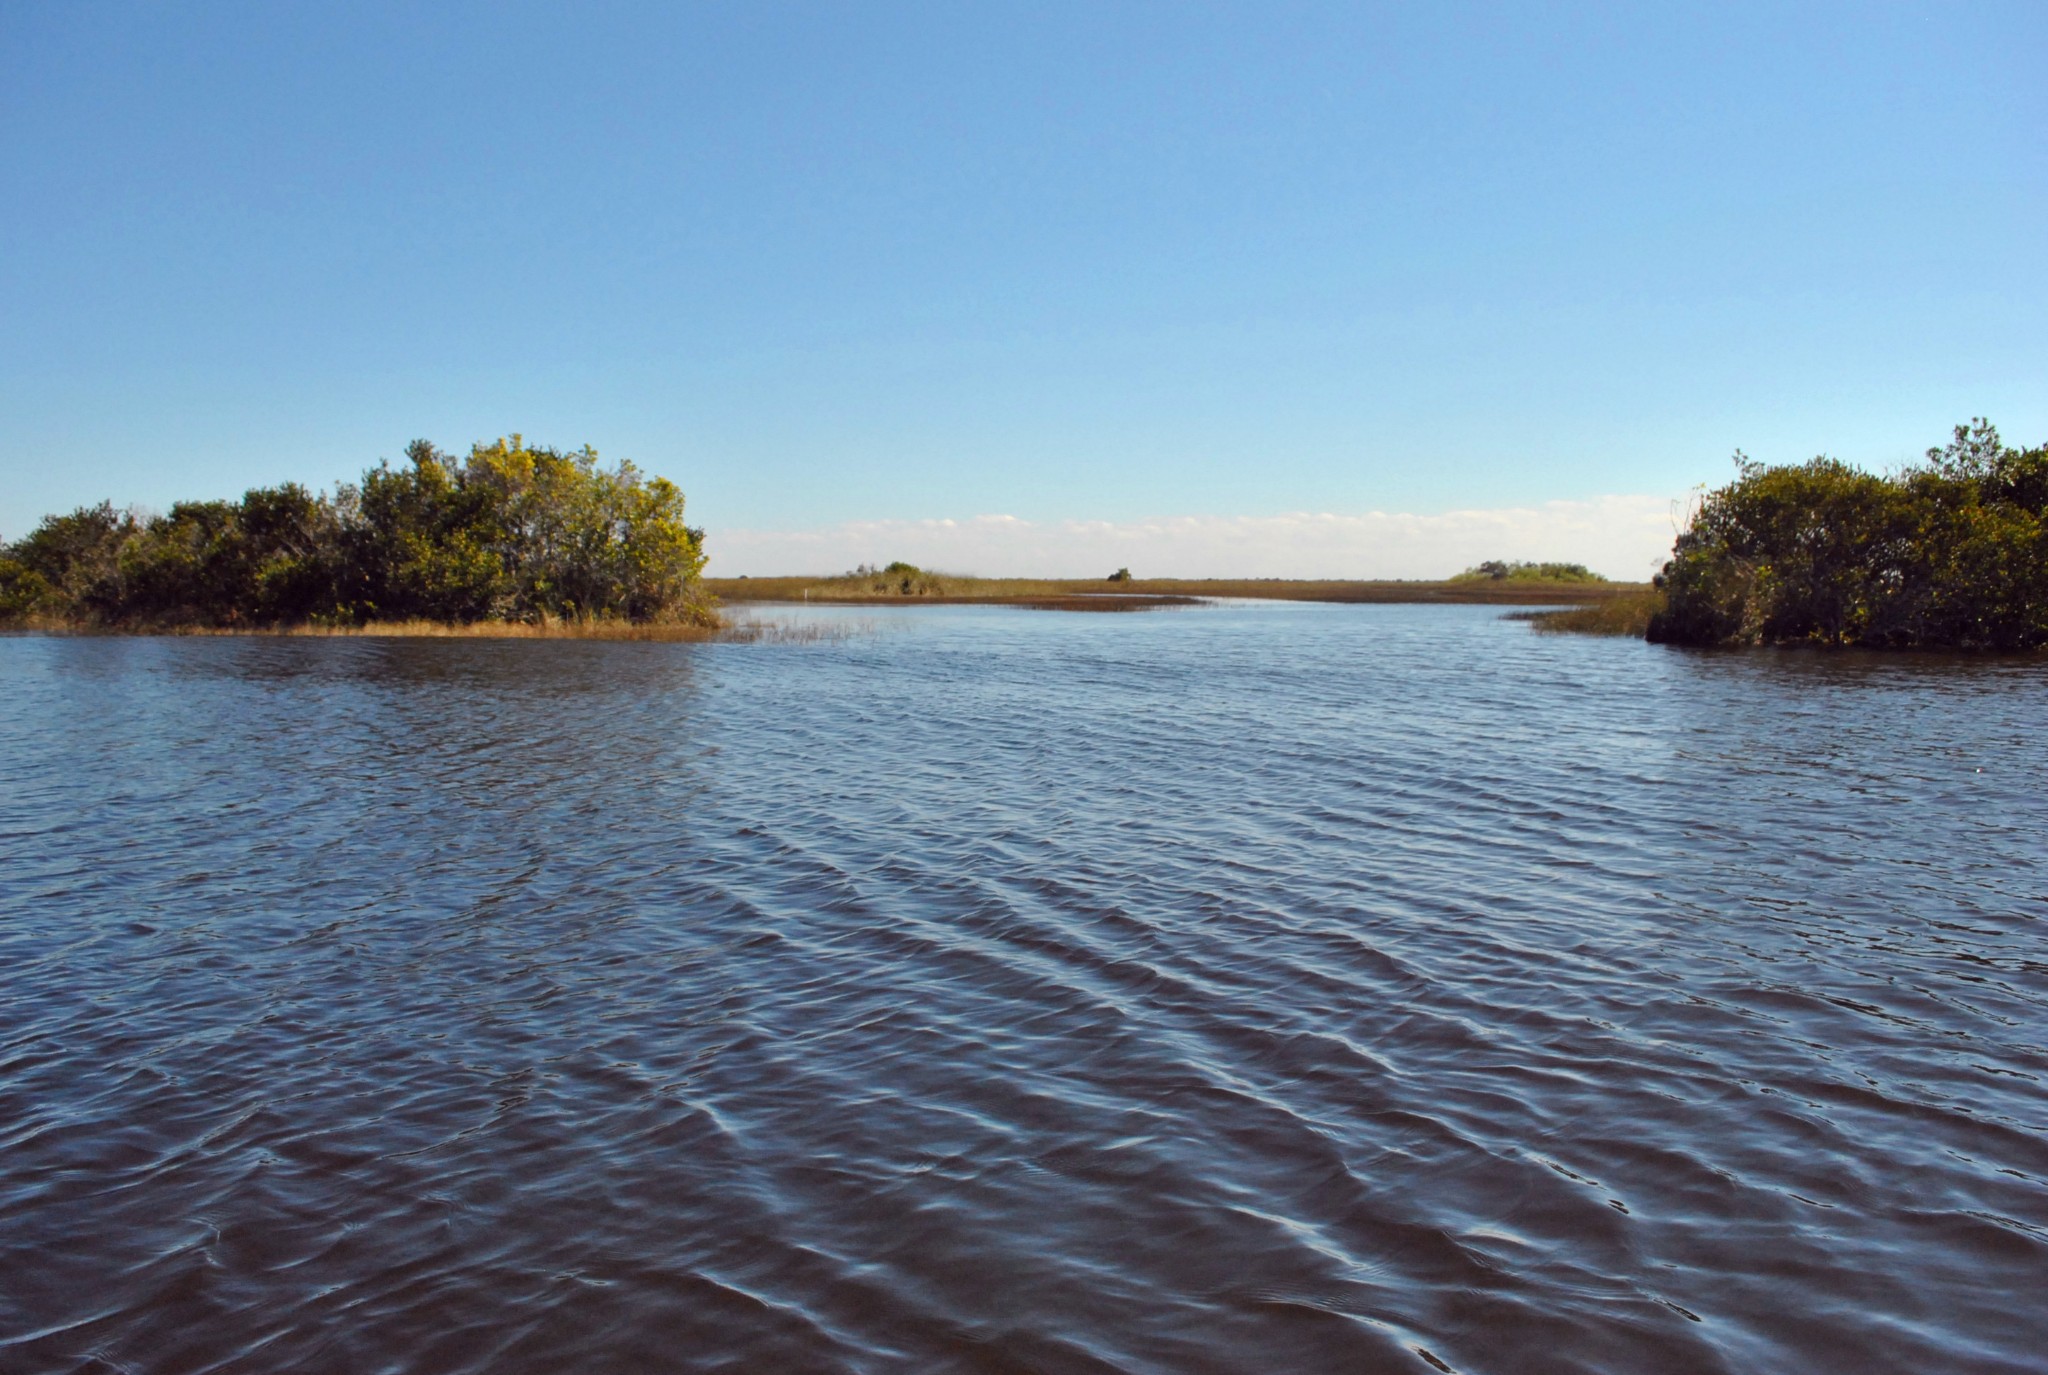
pixel 1236 988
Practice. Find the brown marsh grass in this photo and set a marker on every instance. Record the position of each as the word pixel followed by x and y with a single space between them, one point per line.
pixel 547 629
pixel 925 587
pixel 1628 615
pixel 945 587
pixel 741 629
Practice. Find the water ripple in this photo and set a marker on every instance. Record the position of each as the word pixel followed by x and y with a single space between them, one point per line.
pixel 1240 989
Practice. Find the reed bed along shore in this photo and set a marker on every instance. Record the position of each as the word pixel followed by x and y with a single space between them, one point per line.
pixel 741 629
pixel 1627 615
pixel 550 629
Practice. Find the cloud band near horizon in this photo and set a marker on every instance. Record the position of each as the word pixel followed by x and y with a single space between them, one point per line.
pixel 1625 537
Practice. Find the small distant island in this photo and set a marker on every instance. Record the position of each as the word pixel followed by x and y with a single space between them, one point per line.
pixel 1495 571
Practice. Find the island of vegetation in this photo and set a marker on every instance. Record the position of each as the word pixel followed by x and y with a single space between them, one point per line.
pixel 1493 570
pixel 1951 553
pixel 510 536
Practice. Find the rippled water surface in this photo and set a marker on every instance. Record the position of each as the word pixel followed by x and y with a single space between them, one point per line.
pixel 1244 988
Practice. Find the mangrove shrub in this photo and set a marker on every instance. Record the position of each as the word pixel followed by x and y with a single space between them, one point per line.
pixel 1949 553
pixel 510 532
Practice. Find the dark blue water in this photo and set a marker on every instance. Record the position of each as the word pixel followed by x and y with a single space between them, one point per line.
pixel 1271 988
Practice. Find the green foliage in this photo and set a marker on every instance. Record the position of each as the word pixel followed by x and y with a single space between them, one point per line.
pixel 1496 571
pixel 68 563
pixel 509 533
pixel 1951 554
pixel 1121 575
pixel 269 559
pixel 24 593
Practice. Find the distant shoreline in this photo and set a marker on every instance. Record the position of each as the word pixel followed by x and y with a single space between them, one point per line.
pixel 1098 593
pixel 1612 604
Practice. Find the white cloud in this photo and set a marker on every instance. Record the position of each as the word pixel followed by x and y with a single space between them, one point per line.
pixel 1622 536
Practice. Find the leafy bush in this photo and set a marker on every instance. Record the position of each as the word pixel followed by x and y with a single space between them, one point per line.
pixel 1950 554
pixel 509 533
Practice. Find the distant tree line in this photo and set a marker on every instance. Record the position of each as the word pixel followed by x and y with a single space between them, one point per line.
pixel 510 532
pixel 1951 553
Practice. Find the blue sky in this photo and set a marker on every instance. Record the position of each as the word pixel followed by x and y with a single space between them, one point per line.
pixel 829 265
